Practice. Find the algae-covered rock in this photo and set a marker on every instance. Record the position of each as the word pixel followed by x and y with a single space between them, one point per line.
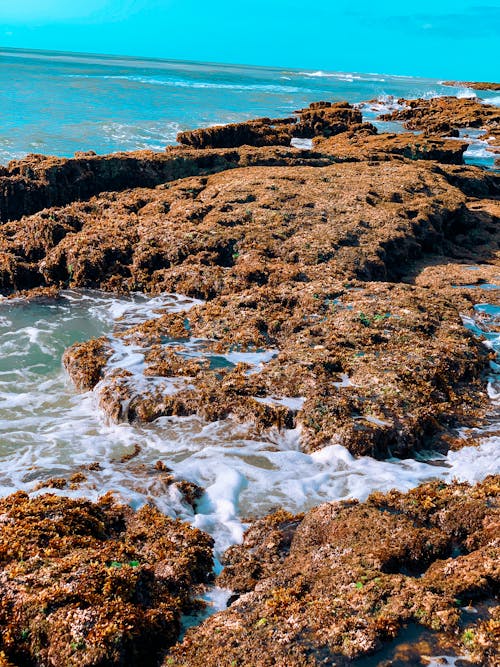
pixel 477 85
pixel 304 262
pixel 379 368
pixel 320 119
pixel 349 576
pixel 94 584
pixel 444 116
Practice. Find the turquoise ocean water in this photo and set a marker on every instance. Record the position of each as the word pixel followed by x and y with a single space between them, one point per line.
pixel 58 103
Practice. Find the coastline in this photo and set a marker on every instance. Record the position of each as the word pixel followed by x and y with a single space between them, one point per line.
pixel 339 295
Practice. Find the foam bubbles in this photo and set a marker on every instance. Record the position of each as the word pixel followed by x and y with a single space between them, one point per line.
pixel 492 100
pixel 466 94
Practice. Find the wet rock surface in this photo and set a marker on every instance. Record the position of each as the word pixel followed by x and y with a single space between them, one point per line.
pixel 302 272
pixel 444 116
pixel 94 584
pixel 364 145
pixel 376 367
pixel 320 119
pixel 451 117
pixel 333 585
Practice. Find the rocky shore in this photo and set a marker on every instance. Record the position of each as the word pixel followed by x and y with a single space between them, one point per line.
pixel 476 85
pixel 334 282
pixel 333 585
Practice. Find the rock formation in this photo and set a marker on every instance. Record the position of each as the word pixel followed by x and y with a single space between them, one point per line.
pixel 320 119
pixel 94 584
pixel 333 585
pixel 297 253
pixel 444 116
pixel 476 85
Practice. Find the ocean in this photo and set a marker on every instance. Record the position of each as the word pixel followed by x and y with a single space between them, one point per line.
pixel 59 103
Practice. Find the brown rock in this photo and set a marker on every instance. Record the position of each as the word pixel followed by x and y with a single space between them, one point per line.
pixel 350 146
pixel 296 256
pixel 351 576
pixel 280 276
pixel 443 116
pixel 476 85
pixel 86 362
pixel 38 182
pixel 320 119
pixel 94 584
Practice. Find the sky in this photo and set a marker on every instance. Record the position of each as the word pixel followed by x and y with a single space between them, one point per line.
pixel 457 39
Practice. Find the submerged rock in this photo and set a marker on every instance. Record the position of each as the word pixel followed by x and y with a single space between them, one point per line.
pixel 332 586
pixel 94 584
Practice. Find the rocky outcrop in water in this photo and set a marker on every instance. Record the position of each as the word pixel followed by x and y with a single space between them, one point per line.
pixel 476 85
pixel 334 282
pixel 333 585
pixel 94 584
pixel 366 146
pixel 320 119
pixel 444 116
pixel 376 367
pixel 38 182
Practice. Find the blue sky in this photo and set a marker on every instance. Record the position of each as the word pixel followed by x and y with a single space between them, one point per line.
pixel 435 38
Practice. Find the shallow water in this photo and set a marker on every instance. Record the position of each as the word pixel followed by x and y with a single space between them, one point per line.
pixel 49 430
pixel 57 103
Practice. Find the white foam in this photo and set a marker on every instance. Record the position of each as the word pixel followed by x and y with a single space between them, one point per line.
pixel 192 83
pixel 302 144
pixel 440 660
pixel 147 136
pixel 466 94
pixel 345 381
pixel 495 100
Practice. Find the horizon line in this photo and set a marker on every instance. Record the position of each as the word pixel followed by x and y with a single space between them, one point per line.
pixel 55 52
